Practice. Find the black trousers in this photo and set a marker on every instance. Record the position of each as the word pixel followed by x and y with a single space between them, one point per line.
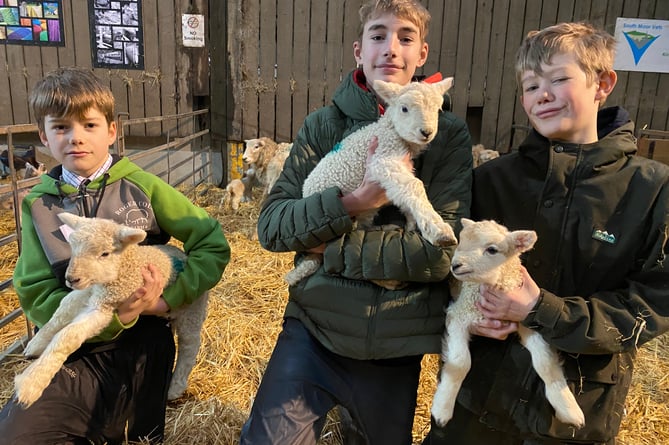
pixel 100 390
pixel 304 381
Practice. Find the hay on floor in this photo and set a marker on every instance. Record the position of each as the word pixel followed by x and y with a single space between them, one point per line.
pixel 244 319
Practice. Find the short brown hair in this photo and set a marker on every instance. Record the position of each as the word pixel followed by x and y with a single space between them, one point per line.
pixel 410 10
pixel 70 91
pixel 594 49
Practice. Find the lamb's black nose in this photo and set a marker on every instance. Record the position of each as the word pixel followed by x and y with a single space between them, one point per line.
pixel 425 133
pixel 455 267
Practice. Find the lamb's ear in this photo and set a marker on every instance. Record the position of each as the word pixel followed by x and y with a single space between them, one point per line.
pixel 70 219
pixel 386 90
pixel 130 235
pixel 523 240
pixel 444 85
pixel 466 222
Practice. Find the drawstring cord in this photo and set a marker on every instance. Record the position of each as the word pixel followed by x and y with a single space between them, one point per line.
pixel 83 194
pixel 103 187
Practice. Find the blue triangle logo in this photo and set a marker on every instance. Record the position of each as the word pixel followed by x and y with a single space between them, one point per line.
pixel 639 43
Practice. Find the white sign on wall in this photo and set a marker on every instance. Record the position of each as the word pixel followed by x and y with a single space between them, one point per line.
pixel 192 30
pixel 643 45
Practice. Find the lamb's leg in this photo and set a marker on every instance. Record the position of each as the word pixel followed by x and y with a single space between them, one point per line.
pixel 36 377
pixel 546 363
pixel 248 179
pixel 408 193
pixel 68 308
pixel 188 326
pixel 456 364
pixel 306 267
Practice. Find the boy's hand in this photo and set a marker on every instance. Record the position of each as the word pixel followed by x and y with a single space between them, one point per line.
pixel 491 328
pixel 145 300
pixel 502 311
pixel 514 305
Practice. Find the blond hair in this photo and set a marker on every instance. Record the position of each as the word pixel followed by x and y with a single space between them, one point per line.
pixel 410 10
pixel 70 91
pixel 594 49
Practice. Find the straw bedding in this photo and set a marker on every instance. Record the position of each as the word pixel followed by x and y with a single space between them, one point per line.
pixel 244 319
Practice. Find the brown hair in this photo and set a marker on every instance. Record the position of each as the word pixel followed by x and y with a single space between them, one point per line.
pixel 410 10
pixel 70 91
pixel 593 48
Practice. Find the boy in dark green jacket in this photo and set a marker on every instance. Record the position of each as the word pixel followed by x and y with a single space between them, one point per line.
pixel 119 380
pixel 345 340
pixel 597 282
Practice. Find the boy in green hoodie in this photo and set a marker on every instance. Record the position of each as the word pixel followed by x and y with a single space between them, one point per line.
pixel 115 386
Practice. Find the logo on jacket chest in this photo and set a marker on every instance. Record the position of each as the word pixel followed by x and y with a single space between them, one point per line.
pixel 604 236
pixel 135 214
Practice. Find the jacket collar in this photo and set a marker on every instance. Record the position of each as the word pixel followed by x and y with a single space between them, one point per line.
pixel 616 133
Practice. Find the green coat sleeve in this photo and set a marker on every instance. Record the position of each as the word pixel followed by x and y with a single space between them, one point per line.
pixel 39 291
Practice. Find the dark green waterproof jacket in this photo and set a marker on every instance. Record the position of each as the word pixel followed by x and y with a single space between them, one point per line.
pixel 601 215
pixel 347 313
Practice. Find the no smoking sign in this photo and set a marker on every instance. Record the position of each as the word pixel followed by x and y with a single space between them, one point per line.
pixel 192 30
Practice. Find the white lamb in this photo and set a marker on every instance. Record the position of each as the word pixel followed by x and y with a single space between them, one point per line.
pixel 481 155
pixel 489 254
pixel 409 123
pixel 234 192
pixel 265 159
pixel 105 268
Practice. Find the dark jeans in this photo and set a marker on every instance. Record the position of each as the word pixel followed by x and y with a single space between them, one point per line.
pixel 304 381
pixel 465 428
pixel 99 390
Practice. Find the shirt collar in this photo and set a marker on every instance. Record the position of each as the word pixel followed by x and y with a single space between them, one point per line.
pixel 75 180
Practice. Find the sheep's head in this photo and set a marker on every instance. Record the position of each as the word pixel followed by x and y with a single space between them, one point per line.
pixel 485 247
pixel 481 155
pixel 254 149
pixel 96 245
pixel 414 108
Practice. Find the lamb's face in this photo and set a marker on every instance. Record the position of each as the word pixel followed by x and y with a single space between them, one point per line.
pixel 95 260
pixel 97 247
pixel 415 115
pixel 482 249
pixel 253 149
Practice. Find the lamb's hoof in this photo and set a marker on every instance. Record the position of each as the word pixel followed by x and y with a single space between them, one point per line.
pixel 33 348
pixel 175 392
pixel 292 278
pixel 441 415
pixel 573 416
pixel 27 392
pixel 447 241
pixel 443 236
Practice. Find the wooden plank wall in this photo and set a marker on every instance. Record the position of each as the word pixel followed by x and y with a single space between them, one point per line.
pixel 278 60
pixel 287 57
pixel 162 88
